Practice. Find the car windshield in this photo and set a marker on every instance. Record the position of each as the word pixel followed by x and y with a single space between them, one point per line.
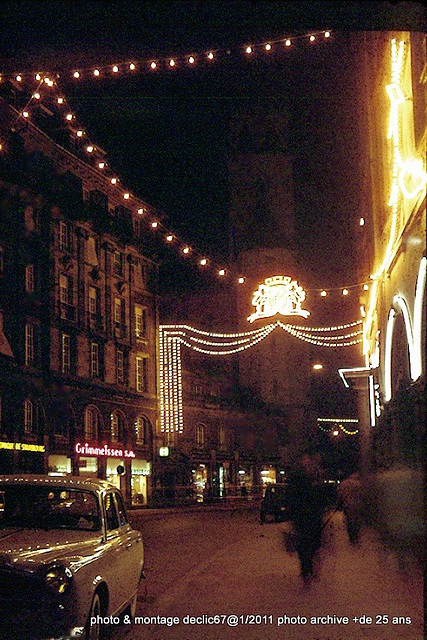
pixel 48 507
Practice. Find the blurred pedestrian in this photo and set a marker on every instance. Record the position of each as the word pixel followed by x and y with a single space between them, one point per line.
pixel 306 506
pixel 349 495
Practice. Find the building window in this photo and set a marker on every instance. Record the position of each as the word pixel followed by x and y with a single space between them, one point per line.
pixel 29 345
pixel 120 366
pixel 200 435
pixel 29 278
pixel 95 360
pixel 29 416
pixel 65 353
pixel 141 430
pixel 137 227
pixel 64 236
pixel 119 318
pixel 92 251
pixel 116 427
pixel 118 265
pixel 140 322
pixel 91 423
pixel 222 441
pixel 94 307
pixel 141 373
pixel 66 297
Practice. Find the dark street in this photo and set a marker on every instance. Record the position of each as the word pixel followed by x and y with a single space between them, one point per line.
pixel 223 562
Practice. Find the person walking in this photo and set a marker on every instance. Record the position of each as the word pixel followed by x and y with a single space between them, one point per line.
pixel 349 495
pixel 306 506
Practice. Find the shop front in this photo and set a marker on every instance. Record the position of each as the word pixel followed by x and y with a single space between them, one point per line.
pixel 140 471
pixel 119 466
pixel 59 465
pixel 200 481
pixel 268 476
pixel 22 457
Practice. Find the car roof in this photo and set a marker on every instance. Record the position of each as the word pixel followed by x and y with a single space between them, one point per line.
pixel 66 482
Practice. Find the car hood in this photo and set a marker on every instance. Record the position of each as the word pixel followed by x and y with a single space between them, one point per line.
pixel 28 549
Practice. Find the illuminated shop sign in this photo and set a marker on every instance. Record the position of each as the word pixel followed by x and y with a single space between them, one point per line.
pixel 87 450
pixel 22 446
pixel 278 294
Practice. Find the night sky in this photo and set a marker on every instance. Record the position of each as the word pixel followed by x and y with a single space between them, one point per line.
pixel 167 133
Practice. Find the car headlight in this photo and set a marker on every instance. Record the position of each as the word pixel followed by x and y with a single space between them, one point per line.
pixel 58 579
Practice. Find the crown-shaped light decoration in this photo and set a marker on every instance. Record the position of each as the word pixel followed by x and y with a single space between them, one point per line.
pixel 278 294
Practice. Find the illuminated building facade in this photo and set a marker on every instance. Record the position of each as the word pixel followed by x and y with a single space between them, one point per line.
pixel 78 301
pixel 392 109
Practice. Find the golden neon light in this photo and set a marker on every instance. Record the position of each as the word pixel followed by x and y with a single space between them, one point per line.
pixel 278 294
pixel 22 446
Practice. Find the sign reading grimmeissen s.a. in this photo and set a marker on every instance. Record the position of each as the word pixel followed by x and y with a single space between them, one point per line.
pixel 88 450
pixel 278 294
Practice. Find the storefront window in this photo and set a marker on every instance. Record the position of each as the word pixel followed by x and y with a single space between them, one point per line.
pixel 112 475
pixel 141 469
pixel 200 479
pixel 88 466
pixel 59 465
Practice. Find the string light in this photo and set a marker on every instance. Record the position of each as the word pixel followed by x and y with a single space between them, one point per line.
pixel 189 58
pixel 80 132
pixel 172 337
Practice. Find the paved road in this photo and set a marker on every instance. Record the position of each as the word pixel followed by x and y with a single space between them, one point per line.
pixel 225 563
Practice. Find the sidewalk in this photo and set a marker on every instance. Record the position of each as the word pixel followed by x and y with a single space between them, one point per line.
pixel 381 596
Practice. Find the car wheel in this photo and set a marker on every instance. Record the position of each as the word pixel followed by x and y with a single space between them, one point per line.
pixel 94 631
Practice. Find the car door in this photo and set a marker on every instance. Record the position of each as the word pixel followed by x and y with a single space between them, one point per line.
pixel 132 557
pixel 115 568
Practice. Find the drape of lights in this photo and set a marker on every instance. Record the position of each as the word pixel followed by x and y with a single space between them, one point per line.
pixel 408 180
pixel 47 90
pixel 172 337
pixel 157 63
pixel 337 423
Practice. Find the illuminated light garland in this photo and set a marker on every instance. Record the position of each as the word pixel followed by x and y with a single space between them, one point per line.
pixel 114 70
pixel 91 149
pixel 172 337
pixel 328 338
pixel 338 422
pixel 338 327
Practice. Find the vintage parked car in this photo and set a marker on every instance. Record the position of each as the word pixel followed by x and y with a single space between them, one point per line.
pixel 67 554
pixel 275 503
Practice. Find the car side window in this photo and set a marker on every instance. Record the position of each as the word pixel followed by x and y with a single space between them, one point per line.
pixel 121 510
pixel 111 512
